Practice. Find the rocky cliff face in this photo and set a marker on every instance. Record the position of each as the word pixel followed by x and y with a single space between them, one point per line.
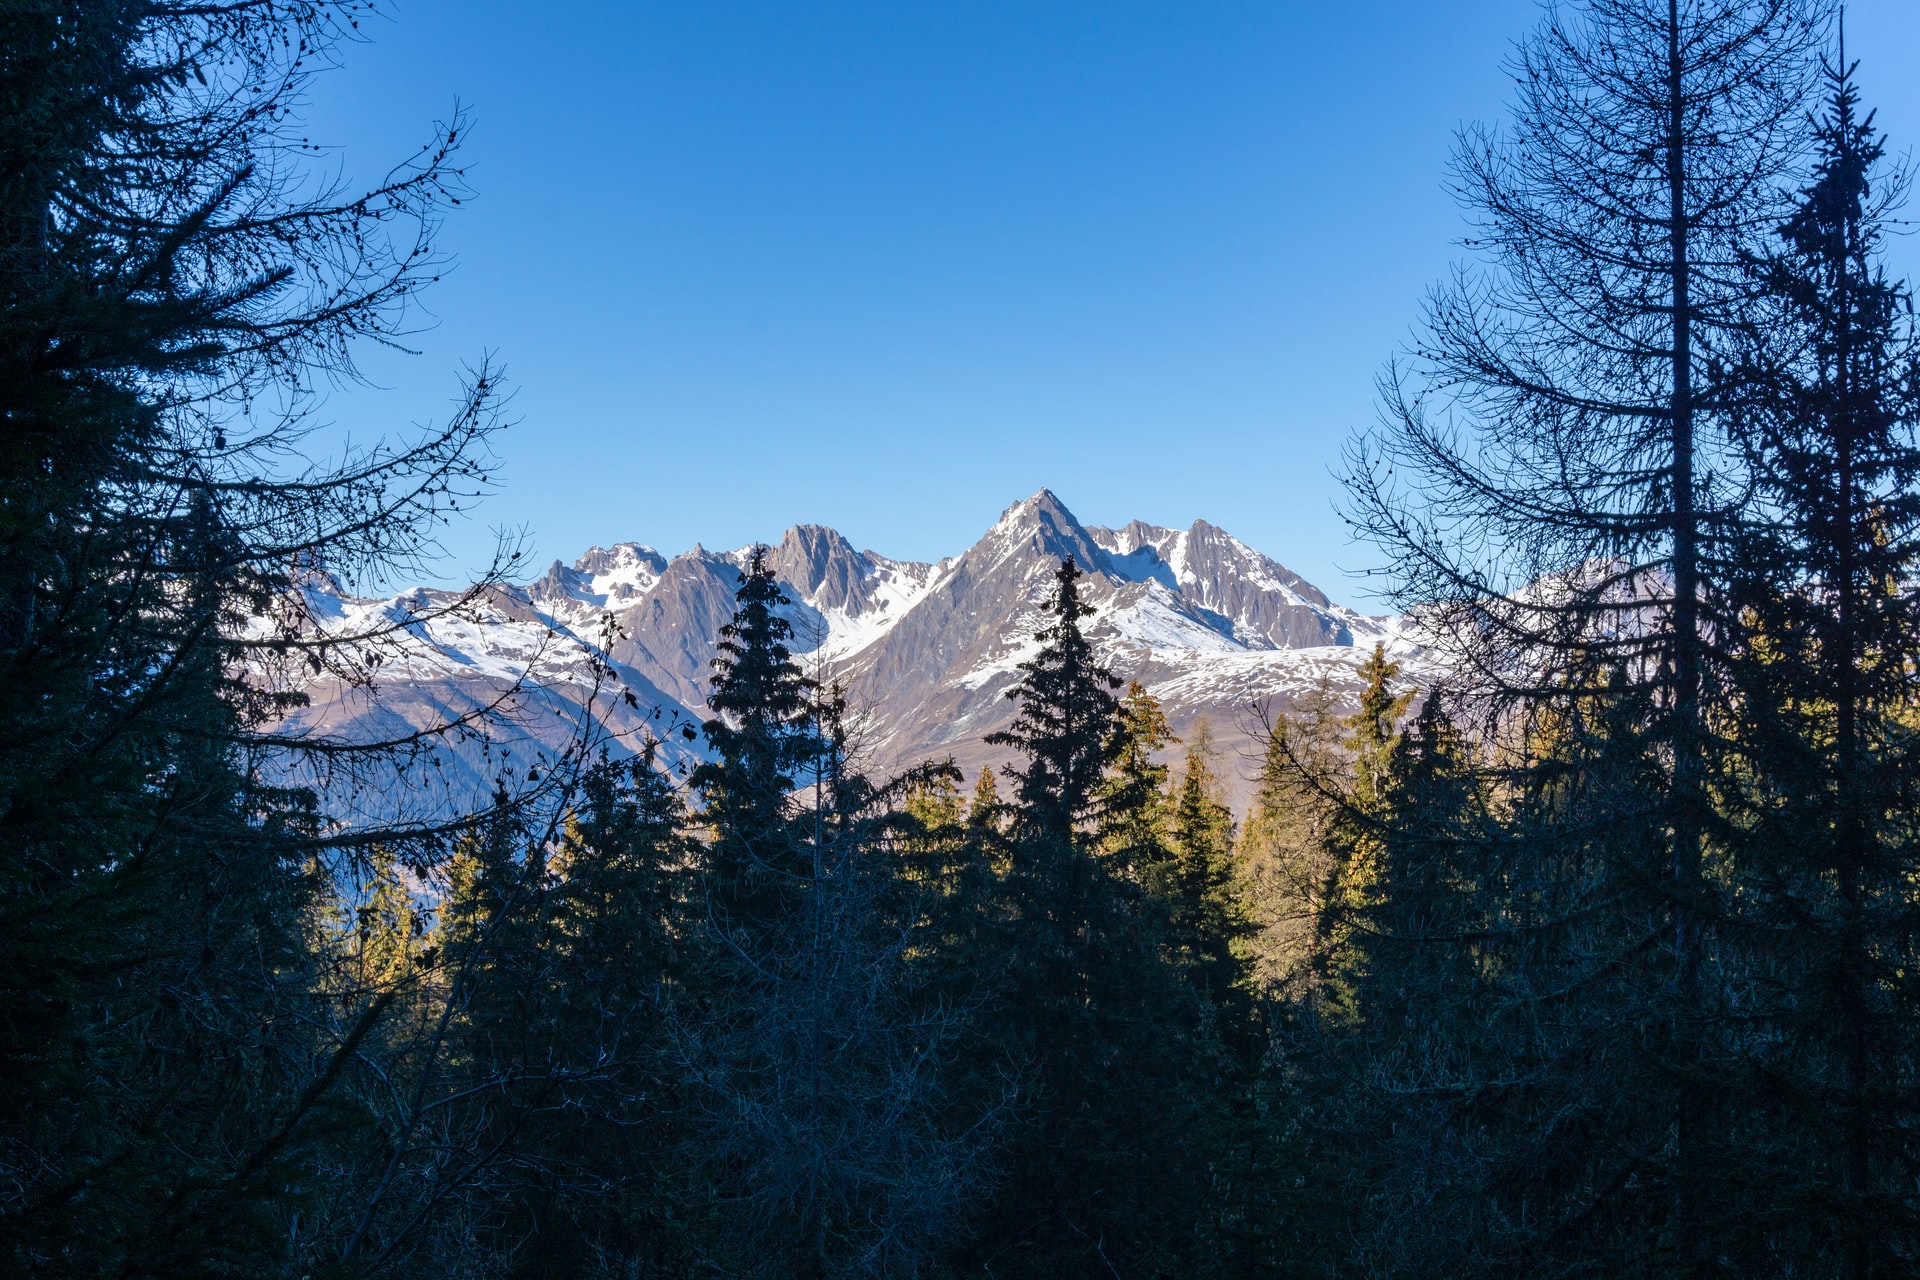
pixel 926 652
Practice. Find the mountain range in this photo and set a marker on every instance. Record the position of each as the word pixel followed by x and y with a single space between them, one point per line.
pixel 925 651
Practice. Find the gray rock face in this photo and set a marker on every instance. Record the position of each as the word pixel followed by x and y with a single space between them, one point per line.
pixel 927 652
pixel 670 631
pixel 822 568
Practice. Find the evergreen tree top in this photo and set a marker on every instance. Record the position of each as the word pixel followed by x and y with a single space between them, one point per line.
pixel 1376 724
pixel 763 730
pixel 1833 218
pixel 754 672
pixel 1068 715
pixel 984 808
pixel 1066 603
pixel 1133 803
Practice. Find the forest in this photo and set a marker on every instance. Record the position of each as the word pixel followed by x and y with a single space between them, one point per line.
pixel 1596 955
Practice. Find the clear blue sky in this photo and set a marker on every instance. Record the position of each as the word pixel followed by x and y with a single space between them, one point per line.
pixel 892 266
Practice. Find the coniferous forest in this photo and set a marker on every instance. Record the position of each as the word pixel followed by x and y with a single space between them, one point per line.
pixel 1597 956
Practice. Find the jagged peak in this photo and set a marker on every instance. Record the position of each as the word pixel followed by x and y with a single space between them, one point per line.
pixel 1204 621
pixel 1041 506
pixel 558 582
pixel 808 532
pixel 317 579
pixel 598 559
pixel 811 548
pixel 1204 541
pixel 702 558
pixel 823 568
pixel 1043 525
pixel 1132 536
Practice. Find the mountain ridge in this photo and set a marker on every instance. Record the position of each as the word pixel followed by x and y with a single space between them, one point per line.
pixel 926 650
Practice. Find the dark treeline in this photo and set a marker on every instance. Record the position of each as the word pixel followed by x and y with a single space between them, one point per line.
pixel 1594 956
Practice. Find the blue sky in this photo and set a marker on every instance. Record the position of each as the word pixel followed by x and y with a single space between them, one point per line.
pixel 891 267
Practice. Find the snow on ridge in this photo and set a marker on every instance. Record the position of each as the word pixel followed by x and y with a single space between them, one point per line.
pixel 1006 660
pixel 546 639
pixel 1142 553
pixel 503 635
pixel 1147 555
pixel 1143 564
pixel 1264 572
pixel 1250 676
pixel 1011 532
pixel 1162 617
pixel 1163 611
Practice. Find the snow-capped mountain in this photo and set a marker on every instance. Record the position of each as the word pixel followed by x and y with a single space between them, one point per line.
pixel 926 652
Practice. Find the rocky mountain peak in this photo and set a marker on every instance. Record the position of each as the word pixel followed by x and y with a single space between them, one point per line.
pixel 605 577
pixel 558 583
pixel 621 557
pixel 1260 601
pixel 825 569
pixel 1039 528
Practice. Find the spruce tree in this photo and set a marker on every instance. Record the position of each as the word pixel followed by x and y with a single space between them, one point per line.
pixel 607 1175
pixel 1198 889
pixel 985 813
pixel 1067 730
pixel 1065 726
pixel 762 739
pixel 1107 1174
pixel 172 1063
pixel 1135 820
pixel 819 1058
pixel 1286 847
pixel 1420 1022
pixel 386 925
pixel 1823 843
pixel 1340 771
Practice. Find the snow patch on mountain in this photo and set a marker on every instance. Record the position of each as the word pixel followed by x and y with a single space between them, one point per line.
pixel 894 588
pixel 622 571
pixel 501 635
pixel 1157 619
